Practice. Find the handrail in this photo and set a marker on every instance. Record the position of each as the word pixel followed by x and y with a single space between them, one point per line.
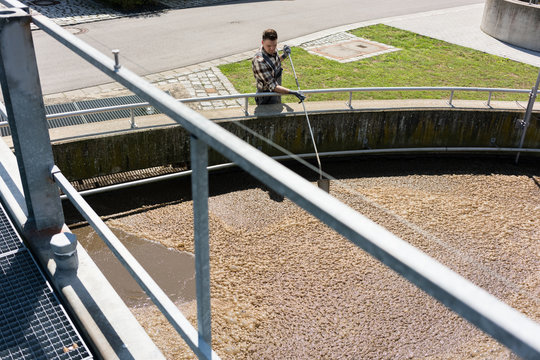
pixel 313 91
pixel 158 296
pixel 247 96
pixel 341 153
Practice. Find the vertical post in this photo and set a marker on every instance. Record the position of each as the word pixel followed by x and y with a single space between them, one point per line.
pixel 132 119
pixel 116 54
pixel 451 98
pixel 527 119
pixel 246 111
pixel 26 116
pixel 489 100
pixel 199 188
pixel 350 100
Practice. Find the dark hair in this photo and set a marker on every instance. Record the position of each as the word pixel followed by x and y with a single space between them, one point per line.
pixel 269 34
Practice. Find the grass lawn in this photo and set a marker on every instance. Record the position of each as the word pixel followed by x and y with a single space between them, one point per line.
pixel 423 61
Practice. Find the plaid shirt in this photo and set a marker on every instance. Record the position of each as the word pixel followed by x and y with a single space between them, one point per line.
pixel 264 74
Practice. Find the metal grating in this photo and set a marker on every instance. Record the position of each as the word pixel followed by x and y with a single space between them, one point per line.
pixel 5 130
pixel 118 178
pixel 9 241
pixel 91 118
pixel 116 114
pixel 33 324
pixel 60 108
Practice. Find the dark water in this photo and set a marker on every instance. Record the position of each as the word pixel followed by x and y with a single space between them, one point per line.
pixel 174 271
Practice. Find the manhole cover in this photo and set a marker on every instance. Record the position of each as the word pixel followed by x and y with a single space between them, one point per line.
pixel 347 47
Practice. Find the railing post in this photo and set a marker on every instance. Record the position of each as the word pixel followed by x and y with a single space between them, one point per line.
pixel 527 118
pixel 199 186
pixel 132 119
pixel 246 111
pixel 26 116
pixel 489 99
pixel 451 98
pixel 349 104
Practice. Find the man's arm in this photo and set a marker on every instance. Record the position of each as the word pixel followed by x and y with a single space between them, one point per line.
pixel 281 90
pixel 263 72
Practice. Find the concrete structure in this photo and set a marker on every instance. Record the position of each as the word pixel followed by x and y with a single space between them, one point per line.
pixel 513 21
pixel 338 130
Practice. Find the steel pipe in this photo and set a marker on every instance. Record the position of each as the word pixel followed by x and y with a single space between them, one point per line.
pixel 308 156
pixel 199 186
pixel 313 91
pixel 145 281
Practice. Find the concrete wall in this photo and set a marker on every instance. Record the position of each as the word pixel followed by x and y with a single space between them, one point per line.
pixel 513 21
pixel 345 130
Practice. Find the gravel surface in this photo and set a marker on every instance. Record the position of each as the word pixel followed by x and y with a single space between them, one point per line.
pixel 285 286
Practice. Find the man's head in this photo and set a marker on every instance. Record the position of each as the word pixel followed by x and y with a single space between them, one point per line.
pixel 269 41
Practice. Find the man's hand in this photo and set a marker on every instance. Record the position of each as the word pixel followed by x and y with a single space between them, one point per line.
pixel 286 51
pixel 300 95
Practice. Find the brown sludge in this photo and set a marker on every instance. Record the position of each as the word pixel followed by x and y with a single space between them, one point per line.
pixel 286 287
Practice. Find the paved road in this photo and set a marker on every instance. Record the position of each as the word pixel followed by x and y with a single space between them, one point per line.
pixel 180 38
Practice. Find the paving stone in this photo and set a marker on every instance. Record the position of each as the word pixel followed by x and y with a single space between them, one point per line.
pixel 92 90
pixel 168 74
pixel 107 87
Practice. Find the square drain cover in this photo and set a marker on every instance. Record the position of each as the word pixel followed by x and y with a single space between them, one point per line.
pixel 345 47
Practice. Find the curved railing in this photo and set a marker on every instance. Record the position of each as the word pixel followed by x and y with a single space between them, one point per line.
pixel 246 97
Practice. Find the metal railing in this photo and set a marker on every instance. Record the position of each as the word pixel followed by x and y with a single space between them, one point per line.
pixel 162 301
pixel 502 322
pixel 246 97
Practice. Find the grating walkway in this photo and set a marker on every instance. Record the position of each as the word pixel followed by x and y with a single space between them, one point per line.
pixel 33 324
pixel 92 118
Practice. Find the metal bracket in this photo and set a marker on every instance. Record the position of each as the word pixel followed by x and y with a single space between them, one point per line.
pixel 117 65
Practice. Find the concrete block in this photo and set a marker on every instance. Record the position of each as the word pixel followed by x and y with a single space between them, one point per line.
pixel 513 21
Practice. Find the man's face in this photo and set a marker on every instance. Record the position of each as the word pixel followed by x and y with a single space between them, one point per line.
pixel 270 46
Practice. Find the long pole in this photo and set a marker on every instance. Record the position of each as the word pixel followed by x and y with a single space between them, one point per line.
pixel 308 122
pixel 528 112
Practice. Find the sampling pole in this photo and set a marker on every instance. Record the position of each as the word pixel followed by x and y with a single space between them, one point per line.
pixel 322 183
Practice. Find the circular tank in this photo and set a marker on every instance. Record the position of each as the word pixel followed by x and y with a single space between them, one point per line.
pixel 513 21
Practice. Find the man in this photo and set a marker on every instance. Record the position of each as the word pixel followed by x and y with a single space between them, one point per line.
pixel 267 70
